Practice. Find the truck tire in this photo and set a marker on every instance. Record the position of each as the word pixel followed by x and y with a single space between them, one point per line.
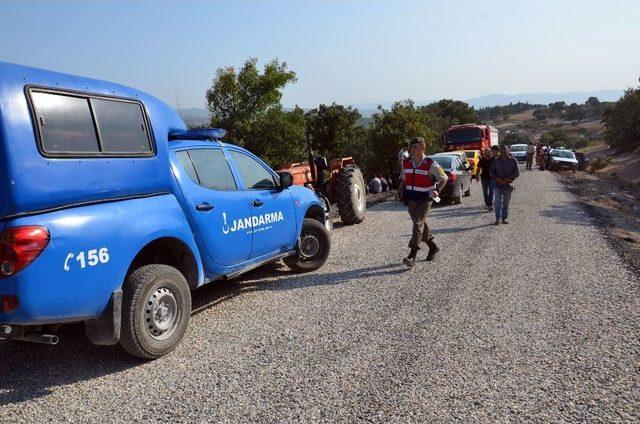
pixel 313 247
pixel 156 308
pixel 350 195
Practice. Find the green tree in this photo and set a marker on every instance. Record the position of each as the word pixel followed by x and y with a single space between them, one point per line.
pixel 575 112
pixel 516 138
pixel 391 127
pixel 556 137
pixel 592 102
pixel 278 137
pixel 541 114
pixel 335 131
pixel 622 121
pixel 453 112
pixel 557 108
pixel 238 100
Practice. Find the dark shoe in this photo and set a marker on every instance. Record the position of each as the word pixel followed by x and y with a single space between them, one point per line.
pixel 504 221
pixel 410 262
pixel 411 259
pixel 497 222
pixel 433 249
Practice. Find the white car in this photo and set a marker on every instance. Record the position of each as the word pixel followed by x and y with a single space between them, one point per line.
pixel 519 151
pixel 562 159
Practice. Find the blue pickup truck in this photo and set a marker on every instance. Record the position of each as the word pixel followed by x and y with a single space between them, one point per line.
pixel 112 212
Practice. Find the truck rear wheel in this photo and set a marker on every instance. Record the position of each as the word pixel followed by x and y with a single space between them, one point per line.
pixel 313 247
pixel 350 195
pixel 156 308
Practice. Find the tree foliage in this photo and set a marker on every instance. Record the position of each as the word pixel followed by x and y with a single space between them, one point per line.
pixel 334 130
pixel 622 121
pixel 238 100
pixel 400 123
pixel 453 112
pixel 278 137
pixel 516 138
pixel 247 102
pixel 502 112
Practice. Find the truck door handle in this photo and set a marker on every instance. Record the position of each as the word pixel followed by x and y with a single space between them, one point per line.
pixel 204 206
pixel 257 203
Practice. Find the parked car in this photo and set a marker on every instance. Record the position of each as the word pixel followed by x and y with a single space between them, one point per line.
pixel 473 159
pixel 562 159
pixel 461 154
pixel 519 151
pixel 459 183
pixel 112 212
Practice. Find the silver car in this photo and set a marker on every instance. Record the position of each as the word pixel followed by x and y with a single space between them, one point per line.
pixel 562 159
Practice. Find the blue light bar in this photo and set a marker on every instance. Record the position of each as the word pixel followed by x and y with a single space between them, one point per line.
pixel 200 134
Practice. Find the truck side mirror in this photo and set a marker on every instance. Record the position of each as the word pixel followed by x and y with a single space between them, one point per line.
pixel 286 179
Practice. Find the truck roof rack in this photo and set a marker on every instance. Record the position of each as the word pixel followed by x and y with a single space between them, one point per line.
pixel 199 134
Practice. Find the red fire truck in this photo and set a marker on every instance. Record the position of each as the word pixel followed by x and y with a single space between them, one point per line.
pixel 470 137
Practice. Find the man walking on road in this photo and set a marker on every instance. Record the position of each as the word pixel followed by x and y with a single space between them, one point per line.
pixel 503 171
pixel 530 151
pixel 484 164
pixel 423 179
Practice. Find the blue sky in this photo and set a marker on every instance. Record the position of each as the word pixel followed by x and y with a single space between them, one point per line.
pixel 349 51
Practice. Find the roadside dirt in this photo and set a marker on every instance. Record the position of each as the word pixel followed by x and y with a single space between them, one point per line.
pixel 624 167
pixel 615 204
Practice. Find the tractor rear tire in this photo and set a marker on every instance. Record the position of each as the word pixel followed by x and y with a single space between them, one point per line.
pixel 350 195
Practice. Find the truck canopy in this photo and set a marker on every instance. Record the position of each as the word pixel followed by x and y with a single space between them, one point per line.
pixel 67 140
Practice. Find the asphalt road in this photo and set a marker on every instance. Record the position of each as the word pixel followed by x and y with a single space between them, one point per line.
pixel 535 320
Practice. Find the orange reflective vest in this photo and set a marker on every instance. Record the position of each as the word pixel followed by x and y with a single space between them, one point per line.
pixel 418 179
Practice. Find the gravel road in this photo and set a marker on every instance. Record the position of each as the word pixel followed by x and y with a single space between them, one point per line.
pixel 538 320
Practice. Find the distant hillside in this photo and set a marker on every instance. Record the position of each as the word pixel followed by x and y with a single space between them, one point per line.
pixel 544 98
pixel 199 117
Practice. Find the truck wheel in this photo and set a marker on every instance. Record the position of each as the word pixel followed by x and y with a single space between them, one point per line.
pixel 350 195
pixel 156 308
pixel 313 247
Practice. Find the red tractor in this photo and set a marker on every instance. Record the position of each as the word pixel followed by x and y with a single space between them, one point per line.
pixel 338 182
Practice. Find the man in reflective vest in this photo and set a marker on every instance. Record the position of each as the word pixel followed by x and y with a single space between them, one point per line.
pixel 423 179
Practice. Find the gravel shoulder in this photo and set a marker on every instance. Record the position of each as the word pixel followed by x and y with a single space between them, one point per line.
pixel 537 320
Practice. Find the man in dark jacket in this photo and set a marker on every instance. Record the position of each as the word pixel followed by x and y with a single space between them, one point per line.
pixel 485 179
pixel 503 171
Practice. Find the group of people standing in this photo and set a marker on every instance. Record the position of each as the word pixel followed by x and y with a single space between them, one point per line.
pixel 423 179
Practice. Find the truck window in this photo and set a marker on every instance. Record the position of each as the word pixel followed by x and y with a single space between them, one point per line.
pixel 65 124
pixel 85 125
pixel 121 126
pixel 252 172
pixel 185 160
pixel 212 169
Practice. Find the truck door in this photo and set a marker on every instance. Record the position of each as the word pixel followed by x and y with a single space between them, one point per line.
pixel 273 220
pixel 215 203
